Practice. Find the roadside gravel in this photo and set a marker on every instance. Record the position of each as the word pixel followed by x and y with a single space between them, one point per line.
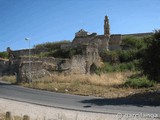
pixel 37 112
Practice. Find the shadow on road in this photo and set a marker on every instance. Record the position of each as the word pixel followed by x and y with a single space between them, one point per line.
pixel 139 99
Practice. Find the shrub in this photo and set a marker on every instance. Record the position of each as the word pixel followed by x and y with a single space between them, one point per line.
pixel 50 46
pixel 134 42
pixel 150 62
pixel 61 53
pixel 109 56
pixel 121 55
pixel 11 79
pixel 127 55
pixel 3 55
pixel 120 67
pixel 139 82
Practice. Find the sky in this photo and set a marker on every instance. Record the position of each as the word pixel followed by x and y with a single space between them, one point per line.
pixel 55 20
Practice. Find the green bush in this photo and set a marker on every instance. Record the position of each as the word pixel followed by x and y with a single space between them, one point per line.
pixel 50 46
pixel 109 56
pixel 58 53
pixel 140 82
pixel 127 55
pixel 134 42
pixel 150 63
pixel 3 55
pixel 120 67
pixel 121 55
pixel 124 60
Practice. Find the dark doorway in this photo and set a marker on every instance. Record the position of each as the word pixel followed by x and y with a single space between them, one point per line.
pixel 93 68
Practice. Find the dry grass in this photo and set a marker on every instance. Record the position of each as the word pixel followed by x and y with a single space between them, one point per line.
pixel 10 79
pixel 103 85
pixel 58 116
pixel 3 117
pixel 110 85
pixel 109 79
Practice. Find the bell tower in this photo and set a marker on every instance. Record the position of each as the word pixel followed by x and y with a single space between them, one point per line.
pixel 106 26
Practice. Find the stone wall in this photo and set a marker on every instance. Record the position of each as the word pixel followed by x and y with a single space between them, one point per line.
pixel 91 53
pixel 47 66
pixel 100 40
pixel 115 42
pixel 78 64
pixel 140 35
pixel 3 67
pixel 81 33
pixel 66 46
pixel 25 52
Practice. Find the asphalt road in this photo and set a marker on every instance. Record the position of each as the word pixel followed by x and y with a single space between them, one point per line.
pixel 75 102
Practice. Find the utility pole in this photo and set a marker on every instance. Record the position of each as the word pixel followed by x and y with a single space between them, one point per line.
pixel 29 57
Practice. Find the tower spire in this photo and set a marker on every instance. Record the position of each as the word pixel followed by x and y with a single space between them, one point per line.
pixel 106 26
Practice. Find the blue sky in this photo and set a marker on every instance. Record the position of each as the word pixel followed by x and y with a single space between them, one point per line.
pixel 55 20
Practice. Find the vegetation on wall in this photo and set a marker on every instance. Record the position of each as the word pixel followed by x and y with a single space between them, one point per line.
pixel 134 42
pixel 123 60
pixel 50 46
pixel 142 55
pixel 3 55
pixel 53 49
pixel 63 53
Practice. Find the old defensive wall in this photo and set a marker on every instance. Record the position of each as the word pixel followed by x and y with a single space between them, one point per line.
pixel 85 63
pixel 35 67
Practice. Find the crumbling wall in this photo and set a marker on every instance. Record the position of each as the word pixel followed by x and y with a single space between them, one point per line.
pixel 100 40
pixel 3 67
pixel 47 66
pixel 40 67
pixel 92 58
pixel 78 65
pixel 115 42
pixel 25 52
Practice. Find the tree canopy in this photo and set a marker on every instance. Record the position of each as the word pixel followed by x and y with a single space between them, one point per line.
pixel 150 64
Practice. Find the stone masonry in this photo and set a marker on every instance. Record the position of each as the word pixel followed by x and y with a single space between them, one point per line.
pixel 85 63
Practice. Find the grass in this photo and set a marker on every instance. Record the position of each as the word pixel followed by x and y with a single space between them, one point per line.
pixel 110 85
pixel 11 79
pixel 3 117
pixel 95 85
pixel 59 116
pixel 141 82
pixel 119 67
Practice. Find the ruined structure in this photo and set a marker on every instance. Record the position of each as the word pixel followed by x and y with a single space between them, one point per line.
pixel 85 63
pixel 3 65
pixel 106 41
pixel 106 27
pixel 83 37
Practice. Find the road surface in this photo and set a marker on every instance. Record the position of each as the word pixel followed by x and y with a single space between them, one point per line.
pixel 75 102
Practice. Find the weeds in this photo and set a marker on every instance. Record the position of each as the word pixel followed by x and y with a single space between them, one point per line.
pixel 10 79
pixel 96 85
pixel 140 82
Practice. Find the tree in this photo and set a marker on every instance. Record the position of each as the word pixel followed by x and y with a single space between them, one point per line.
pixel 151 61
pixel 3 55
